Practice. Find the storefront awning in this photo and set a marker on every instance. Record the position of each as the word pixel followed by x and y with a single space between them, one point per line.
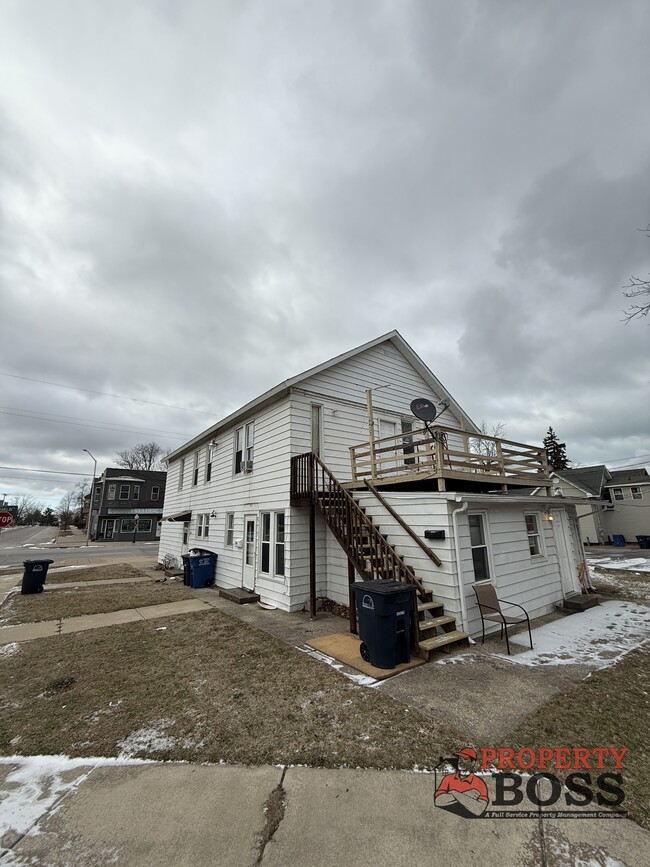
pixel 182 517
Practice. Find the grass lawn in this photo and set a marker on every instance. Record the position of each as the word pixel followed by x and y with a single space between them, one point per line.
pixel 207 687
pixel 97 573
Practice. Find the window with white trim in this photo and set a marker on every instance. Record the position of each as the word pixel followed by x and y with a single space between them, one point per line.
pixel 136 492
pixel 203 525
pixel 195 471
pixel 532 531
pixel 230 529
pixel 129 525
pixel 208 462
pixel 479 548
pixel 111 492
pixel 181 474
pixel 155 493
pixel 637 493
pixel 124 492
pixel 316 428
pixel 272 539
pixel 244 443
pixel 617 494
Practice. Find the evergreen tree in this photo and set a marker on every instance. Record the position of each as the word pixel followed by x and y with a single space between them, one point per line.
pixel 555 451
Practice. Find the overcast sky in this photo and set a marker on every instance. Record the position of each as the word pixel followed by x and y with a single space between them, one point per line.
pixel 200 199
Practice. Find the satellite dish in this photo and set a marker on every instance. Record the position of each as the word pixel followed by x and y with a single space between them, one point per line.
pixel 423 409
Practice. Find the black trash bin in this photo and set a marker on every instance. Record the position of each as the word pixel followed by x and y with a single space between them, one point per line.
pixel 384 609
pixel 34 575
pixel 203 565
pixel 644 541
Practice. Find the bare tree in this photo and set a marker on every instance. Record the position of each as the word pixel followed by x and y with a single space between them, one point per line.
pixel 65 509
pixel 637 288
pixel 78 493
pixel 26 506
pixel 143 456
pixel 487 448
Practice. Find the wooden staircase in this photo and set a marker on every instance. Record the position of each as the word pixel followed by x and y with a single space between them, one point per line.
pixel 371 554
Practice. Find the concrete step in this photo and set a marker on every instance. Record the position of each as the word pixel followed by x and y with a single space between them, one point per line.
pixel 580 602
pixel 239 595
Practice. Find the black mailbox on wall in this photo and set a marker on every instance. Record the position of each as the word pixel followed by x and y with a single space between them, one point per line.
pixel 434 534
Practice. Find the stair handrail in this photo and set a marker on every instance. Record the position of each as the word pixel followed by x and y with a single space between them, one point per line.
pixel 342 513
pixel 430 554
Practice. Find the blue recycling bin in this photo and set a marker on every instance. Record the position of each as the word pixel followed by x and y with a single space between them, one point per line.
pixel 384 614
pixel 202 568
pixel 34 575
pixel 618 540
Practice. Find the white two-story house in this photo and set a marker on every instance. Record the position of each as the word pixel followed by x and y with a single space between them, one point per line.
pixel 330 477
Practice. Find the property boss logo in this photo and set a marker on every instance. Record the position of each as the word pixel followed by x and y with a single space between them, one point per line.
pixel 525 782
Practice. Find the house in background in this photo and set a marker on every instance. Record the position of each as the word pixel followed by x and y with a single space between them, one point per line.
pixel 620 502
pixel 127 505
pixel 329 477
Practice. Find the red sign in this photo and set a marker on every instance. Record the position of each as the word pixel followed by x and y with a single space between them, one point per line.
pixel 6 518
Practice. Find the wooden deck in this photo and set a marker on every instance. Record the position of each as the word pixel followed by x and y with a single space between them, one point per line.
pixel 448 455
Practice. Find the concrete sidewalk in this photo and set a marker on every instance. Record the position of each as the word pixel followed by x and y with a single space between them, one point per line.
pixel 144 815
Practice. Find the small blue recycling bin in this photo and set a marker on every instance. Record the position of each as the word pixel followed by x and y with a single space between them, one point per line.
pixel 619 541
pixel 202 568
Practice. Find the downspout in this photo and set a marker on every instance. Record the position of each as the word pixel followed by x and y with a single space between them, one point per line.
pixel 459 568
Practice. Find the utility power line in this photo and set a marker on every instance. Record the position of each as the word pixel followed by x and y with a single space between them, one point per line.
pixel 133 430
pixel 107 394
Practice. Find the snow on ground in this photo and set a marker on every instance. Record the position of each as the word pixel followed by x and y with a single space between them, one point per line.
pixel 637 564
pixel 35 784
pixel 361 679
pixel 596 637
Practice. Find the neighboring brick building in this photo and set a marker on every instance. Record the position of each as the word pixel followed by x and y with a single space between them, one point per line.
pixel 127 504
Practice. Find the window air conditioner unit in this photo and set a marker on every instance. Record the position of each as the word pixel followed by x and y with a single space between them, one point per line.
pixel 247 466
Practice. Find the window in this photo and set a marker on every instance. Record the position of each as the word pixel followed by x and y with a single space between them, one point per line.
pixel 203 525
pixel 155 493
pixel 144 525
pixel 181 474
pixel 637 493
pixel 532 530
pixel 128 525
pixel 272 543
pixel 244 437
pixel 186 531
pixel 479 548
pixel 124 492
pixel 208 462
pixel 96 492
pixel 316 426
pixel 617 493
pixel 266 543
pixel 279 543
pixel 111 492
pixel 230 529
pixel 195 470
pixel 136 492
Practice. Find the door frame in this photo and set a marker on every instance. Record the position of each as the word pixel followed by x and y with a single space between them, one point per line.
pixel 249 569
pixel 562 534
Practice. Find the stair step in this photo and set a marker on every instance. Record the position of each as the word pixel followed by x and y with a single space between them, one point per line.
pixel 428 606
pixel 437 621
pixel 442 642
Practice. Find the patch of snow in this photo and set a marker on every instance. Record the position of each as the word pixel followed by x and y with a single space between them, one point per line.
pixel 147 740
pixel 361 679
pixel 597 637
pixel 35 784
pixel 637 564
pixel 8 649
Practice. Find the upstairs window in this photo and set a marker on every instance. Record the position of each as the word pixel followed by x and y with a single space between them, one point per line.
pixel 244 442
pixel 637 493
pixel 136 492
pixel 181 474
pixel 617 493
pixel 155 493
pixel 195 471
pixel 208 462
pixel 124 492
pixel 111 492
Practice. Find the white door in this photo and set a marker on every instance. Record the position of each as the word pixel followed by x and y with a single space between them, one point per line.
pixel 568 570
pixel 250 536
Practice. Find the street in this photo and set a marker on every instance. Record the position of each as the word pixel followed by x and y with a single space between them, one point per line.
pixel 33 543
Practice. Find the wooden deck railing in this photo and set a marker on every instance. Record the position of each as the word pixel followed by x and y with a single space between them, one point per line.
pixel 446 452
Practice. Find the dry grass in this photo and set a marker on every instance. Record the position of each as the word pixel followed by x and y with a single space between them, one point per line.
pixel 632 584
pixel 97 573
pixel 609 708
pixel 206 687
pixel 55 604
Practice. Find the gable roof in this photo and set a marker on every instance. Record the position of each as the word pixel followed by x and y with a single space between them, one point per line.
pixel 283 389
pixel 591 480
pixel 628 477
